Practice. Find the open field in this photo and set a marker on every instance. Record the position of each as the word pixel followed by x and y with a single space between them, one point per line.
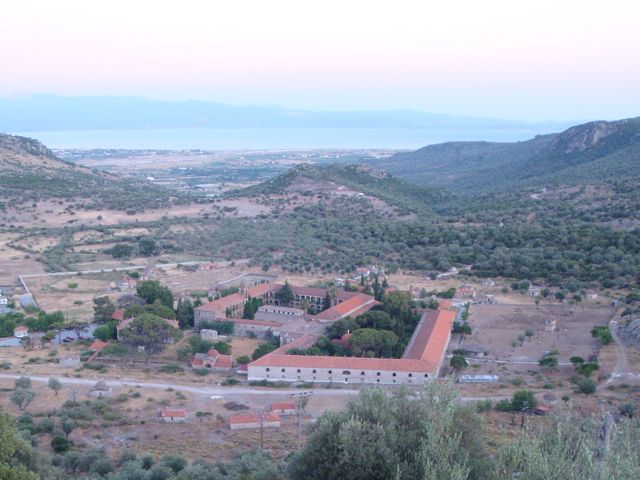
pixel 496 326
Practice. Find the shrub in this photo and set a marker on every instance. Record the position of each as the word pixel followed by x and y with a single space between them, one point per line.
pixel 60 444
pixel 243 359
pixel 171 368
pixel 229 381
pixel 201 371
pixel 586 386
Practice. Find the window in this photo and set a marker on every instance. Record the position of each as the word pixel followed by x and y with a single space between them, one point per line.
pixel 314 371
pixel 298 370
pixel 283 369
pixel 394 373
pixel 268 369
pixel 330 372
pixel 426 375
pixel 346 372
pixel 378 380
pixel 410 375
pixel 378 374
pixel 361 373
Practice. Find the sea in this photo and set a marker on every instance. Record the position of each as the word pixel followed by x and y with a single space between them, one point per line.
pixel 272 138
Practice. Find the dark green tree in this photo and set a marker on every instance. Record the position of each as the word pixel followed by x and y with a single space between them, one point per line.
pixel 150 332
pixel 151 290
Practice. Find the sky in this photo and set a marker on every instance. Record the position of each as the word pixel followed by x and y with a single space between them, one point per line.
pixel 518 59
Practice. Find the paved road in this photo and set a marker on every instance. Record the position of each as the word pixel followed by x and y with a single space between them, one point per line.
pixel 208 390
pixel 203 390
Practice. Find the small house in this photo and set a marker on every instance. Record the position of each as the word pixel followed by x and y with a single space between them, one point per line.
pixel 550 325
pixel 20 331
pixel 69 361
pixel 100 389
pixel 284 408
pixel 591 294
pixel 172 415
pixel 207 334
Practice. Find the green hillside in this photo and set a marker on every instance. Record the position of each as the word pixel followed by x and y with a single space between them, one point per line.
pixel 592 152
pixel 30 172
pixel 361 178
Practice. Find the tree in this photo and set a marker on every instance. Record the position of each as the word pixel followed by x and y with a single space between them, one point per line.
pixel 147 246
pixel 251 307
pixel 185 313
pixel 17 459
pixel 586 386
pixel 150 332
pixel 263 349
pixel 523 399
pixel 60 444
pixel 151 290
pixel 458 362
pixel 55 385
pixel 106 332
pixel 400 435
pixel 285 294
pixel 548 361
pixel 22 397
pixel 67 426
pixel 529 333
pixel 521 339
pixel 602 335
pixel 103 309
pixel 120 250
pixel 368 342
pixel 22 382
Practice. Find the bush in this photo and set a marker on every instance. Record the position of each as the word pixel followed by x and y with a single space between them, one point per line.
pixel 229 381
pixel 586 386
pixel 201 371
pixel 602 334
pixel 171 368
pixel 60 444
pixel 243 359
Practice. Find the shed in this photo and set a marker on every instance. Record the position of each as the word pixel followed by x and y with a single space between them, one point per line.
pixel 284 408
pixel 478 378
pixel 100 389
pixel 69 361
pixel 172 415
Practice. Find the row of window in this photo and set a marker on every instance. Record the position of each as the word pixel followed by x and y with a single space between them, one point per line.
pixel 346 372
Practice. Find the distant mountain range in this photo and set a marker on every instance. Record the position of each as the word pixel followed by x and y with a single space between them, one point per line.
pixel 590 152
pixel 58 113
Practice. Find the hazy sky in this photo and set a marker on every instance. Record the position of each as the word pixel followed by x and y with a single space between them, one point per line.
pixel 520 59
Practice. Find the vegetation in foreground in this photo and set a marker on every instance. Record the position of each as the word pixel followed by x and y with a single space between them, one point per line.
pixel 381 435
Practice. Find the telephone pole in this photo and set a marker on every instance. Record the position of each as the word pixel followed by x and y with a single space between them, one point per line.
pixel 301 400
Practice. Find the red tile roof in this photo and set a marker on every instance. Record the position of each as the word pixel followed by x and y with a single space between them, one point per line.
pixel 354 306
pixel 118 315
pixel 97 345
pixel 173 412
pixel 223 303
pixel 431 336
pixel 344 363
pixel 224 361
pixel 445 304
pixel 259 290
pixel 241 418
pixel 21 328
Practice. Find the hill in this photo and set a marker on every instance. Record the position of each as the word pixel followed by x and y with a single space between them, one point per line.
pixel 30 172
pixel 591 152
pixel 358 180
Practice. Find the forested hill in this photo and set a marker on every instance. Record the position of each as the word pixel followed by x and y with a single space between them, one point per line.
pixel 30 172
pixel 363 179
pixel 591 152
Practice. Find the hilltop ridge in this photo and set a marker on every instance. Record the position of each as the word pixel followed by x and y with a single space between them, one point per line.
pixel 594 151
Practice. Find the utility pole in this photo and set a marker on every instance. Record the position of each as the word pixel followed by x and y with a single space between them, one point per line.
pixel 301 400
pixel 261 416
